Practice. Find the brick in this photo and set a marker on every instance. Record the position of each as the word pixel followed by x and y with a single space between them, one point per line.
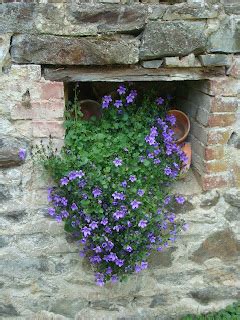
pixel 52 90
pixel 214 153
pixel 224 104
pixel 225 87
pixel 221 119
pixel 215 166
pixel 42 129
pixel 39 110
pixel 218 136
pixel 26 72
pixel 220 180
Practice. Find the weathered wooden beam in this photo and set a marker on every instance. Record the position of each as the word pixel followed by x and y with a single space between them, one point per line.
pixel 135 73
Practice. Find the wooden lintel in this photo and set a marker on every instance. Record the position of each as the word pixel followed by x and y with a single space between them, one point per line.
pixel 136 73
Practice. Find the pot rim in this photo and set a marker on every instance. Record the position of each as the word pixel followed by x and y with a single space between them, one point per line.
pixel 188 124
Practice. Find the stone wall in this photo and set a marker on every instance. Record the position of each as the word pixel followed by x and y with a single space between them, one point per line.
pixel 42 275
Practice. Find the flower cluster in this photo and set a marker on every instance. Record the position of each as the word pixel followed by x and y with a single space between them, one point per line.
pixel 114 198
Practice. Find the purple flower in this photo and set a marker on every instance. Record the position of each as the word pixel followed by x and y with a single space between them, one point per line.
pixel 138 268
pixel 93 225
pixel 82 183
pixel 64 201
pixel 74 207
pixel 167 171
pixel 117 228
pixel 132 178
pixel 121 90
pixel 108 270
pixel 119 262
pixel 150 140
pixel 156 161
pixel 97 249
pixel 118 196
pixel 142 223
pixel 160 101
pixel 104 221
pixel 144 265
pixel 185 226
pixel 119 214
pixel 95 259
pixel 22 154
pixel 108 230
pixel 135 204
pixel 114 278
pixel 118 103
pixel 64 181
pixel 86 231
pixel 140 192
pixel 128 249
pixel 72 175
pixel 117 162
pixel 160 249
pixel 167 200
pixel 154 132
pixel 51 211
pixel 64 214
pixel 96 192
pixel 124 184
pixel 180 199
pixel 106 101
pixel 171 118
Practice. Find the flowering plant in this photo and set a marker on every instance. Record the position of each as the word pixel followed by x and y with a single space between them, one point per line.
pixel 112 183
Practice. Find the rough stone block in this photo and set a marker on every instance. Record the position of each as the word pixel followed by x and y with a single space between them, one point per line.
pixel 221 244
pixel 187 11
pixel 71 18
pixel 184 62
pixel 9 149
pixel 215 60
pixel 172 38
pixel 43 129
pixel 152 64
pixel 209 199
pixel 226 87
pixel 202 116
pixel 221 119
pixel 4 50
pixel 232 196
pixel 25 72
pixel 227 37
pixel 48 49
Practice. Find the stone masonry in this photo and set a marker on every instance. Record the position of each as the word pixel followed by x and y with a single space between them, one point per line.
pixel 42 45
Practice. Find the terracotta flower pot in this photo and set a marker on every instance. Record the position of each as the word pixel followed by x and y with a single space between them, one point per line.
pixel 90 108
pixel 182 126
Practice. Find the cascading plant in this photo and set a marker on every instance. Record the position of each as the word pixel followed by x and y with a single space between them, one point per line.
pixel 113 181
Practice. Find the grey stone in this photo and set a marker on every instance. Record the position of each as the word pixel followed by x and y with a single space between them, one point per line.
pixel 210 294
pixel 4 193
pixel 232 196
pixel 3 241
pixel 232 8
pixel 186 11
pixel 158 300
pixel 15 215
pixel 107 17
pixel 172 38
pixel 68 307
pixel 209 199
pixel 214 60
pixel 152 64
pixel 221 244
pixel 183 208
pixel 156 12
pixel 182 62
pixel 4 50
pixel 227 38
pixel 161 259
pixel 8 310
pixel 232 214
pixel 9 148
pixel 234 140
pixel 71 18
pixel 48 49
